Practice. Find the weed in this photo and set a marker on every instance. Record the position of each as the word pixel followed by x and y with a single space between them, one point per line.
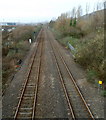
pixel 91 75
pixel 103 93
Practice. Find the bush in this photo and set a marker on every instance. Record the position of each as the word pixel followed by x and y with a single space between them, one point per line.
pixel 15 47
pixel 91 22
pixel 104 93
pixel 90 53
pixel 23 33
pixel 91 75
pixel 87 36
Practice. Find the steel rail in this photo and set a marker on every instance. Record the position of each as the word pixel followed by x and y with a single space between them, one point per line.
pixel 37 84
pixel 27 78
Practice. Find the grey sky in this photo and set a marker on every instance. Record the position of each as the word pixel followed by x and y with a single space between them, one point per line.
pixel 38 10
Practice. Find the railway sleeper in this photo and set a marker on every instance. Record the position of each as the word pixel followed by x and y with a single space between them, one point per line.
pixel 24 115
pixel 27 98
pixel 28 95
pixel 25 110
pixel 32 86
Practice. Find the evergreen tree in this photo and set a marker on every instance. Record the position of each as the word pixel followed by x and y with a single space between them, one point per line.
pixel 74 23
pixel 71 22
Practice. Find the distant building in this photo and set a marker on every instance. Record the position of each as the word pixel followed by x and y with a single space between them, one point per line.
pixel 8 23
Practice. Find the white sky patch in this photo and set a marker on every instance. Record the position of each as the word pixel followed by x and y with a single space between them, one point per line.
pixel 38 10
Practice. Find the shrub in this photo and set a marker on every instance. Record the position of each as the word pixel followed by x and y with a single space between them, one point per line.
pixel 90 53
pixel 91 75
pixel 89 49
pixel 103 93
pixel 15 47
pixel 23 33
pixel 91 22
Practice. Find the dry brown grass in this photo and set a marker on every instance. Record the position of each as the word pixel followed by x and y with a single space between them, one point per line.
pixel 15 47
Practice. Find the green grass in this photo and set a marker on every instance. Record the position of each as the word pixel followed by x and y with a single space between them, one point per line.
pixel 73 41
pixel 65 39
pixel 91 75
pixel 103 93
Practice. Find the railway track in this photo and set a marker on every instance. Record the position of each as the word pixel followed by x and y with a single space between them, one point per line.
pixel 26 107
pixel 76 101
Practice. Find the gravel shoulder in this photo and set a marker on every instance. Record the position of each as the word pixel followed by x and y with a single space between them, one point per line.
pixel 51 101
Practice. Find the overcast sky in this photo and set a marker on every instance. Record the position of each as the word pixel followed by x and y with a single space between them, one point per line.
pixel 38 10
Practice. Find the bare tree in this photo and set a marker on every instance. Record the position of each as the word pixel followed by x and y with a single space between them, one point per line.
pixel 73 13
pixel 99 6
pixel 79 11
pixel 94 8
pixel 87 8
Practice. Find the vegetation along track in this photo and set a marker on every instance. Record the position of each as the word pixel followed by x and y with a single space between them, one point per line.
pixel 76 101
pixel 26 107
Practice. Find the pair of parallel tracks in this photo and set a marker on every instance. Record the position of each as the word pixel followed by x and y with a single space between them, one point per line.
pixel 26 107
pixel 76 102
pixel 27 103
